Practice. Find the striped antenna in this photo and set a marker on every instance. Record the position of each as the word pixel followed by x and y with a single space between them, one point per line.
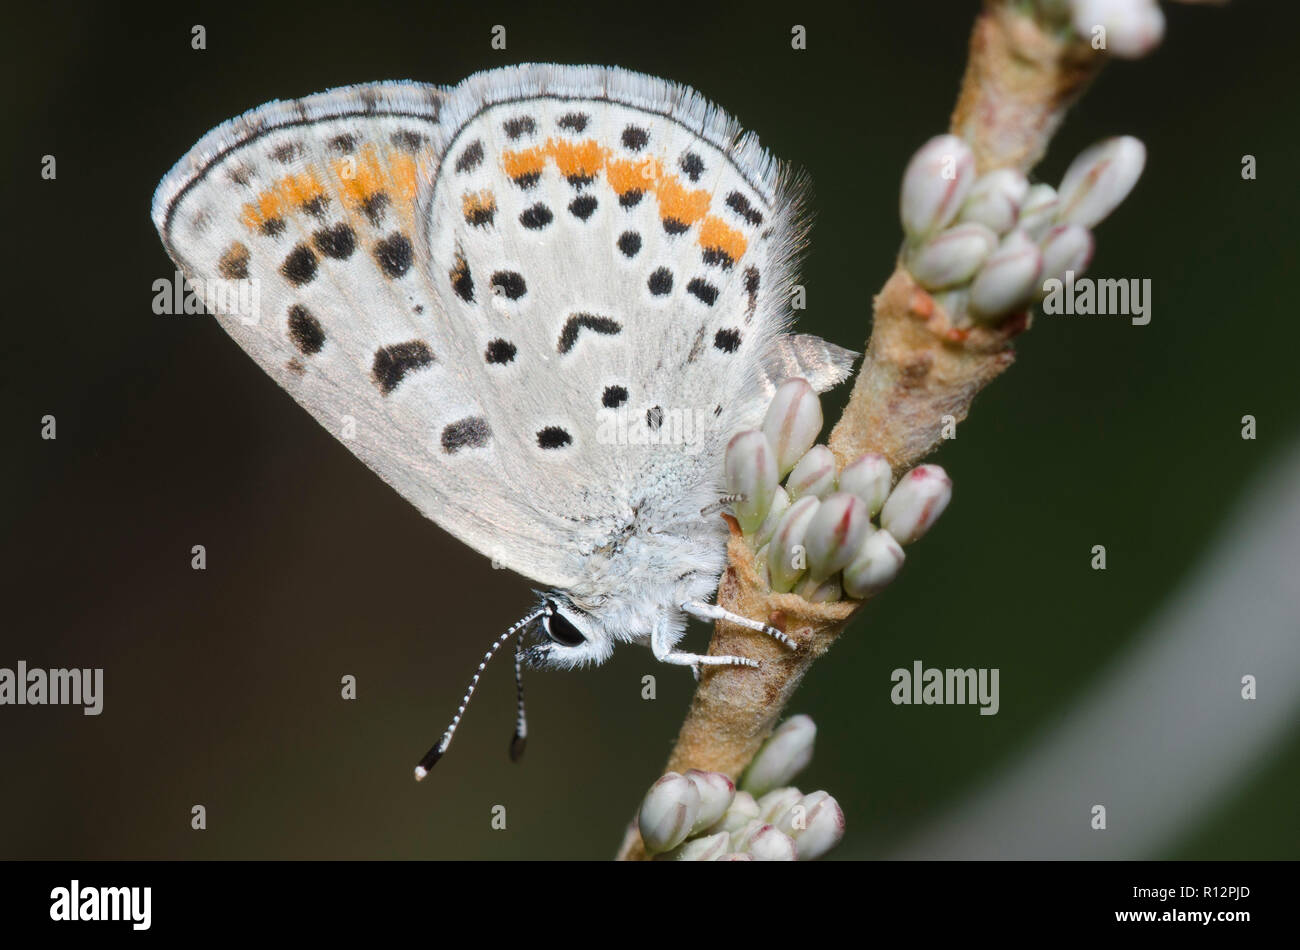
pixel 520 740
pixel 434 754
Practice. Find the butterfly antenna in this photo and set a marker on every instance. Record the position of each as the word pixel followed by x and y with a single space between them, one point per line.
pixel 434 754
pixel 520 740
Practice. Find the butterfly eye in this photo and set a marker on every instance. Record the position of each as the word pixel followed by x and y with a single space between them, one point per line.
pixel 559 629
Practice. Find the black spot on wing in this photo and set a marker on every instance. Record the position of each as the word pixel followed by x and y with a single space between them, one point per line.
pixel 553 437
pixel 573 121
pixel 510 283
pixel 337 242
pixel 536 217
pixel 728 341
pixel 692 164
pixel 407 140
pixel 393 363
pixel 585 321
pixel 635 138
pixel 470 432
pixel 316 205
pixel 343 144
pixel 583 207
pixel 471 157
pixel 519 126
pixel 305 330
pixel 233 264
pixel 629 242
pixel 740 204
pixel 286 152
pixel 374 205
pixel 654 417
pixel 272 227
pixel 300 266
pixel 394 255
pixel 702 290
pixel 716 257
pixel 613 397
pixel 500 351
pixel 462 282
pixel 660 282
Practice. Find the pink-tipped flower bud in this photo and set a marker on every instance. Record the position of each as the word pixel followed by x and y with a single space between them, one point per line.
pixel 875 567
pixel 709 848
pixel 935 185
pixel 1038 213
pixel 827 592
pixel 813 475
pixel 782 757
pixel 951 257
pixel 787 558
pixel 1099 179
pixel 1067 247
pixel 668 812
pixel 750 469
pixel 777 802
pixel 916 503
pixel 995 199
pixel 835 534
pixel 1009 278
pixel 780 502
pixel 762 842
pixel 743 810
pixel 716 794
pixel 1133 27
pixel 815 823
pixel 792 423
pixel 868 477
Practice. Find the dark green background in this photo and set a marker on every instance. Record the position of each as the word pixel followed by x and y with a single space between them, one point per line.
pixel 222 686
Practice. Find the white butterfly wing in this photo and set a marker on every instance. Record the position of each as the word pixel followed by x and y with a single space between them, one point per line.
pixel 498 296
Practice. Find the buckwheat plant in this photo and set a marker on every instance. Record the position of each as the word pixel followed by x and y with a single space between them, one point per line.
pixel 817 529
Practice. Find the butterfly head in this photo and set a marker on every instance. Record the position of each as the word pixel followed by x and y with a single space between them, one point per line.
pixel 565 635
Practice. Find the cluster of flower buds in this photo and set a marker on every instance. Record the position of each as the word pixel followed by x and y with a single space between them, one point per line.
pixel 700 816
pixel 1127 28
pixel 814 535
pixel 985 245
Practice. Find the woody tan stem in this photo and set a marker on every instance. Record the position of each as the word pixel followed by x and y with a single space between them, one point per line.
pixel 918 369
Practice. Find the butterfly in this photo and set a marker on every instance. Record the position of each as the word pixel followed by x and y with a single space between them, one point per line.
pixel 538 304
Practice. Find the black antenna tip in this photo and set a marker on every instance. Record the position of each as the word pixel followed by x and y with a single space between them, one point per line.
pixel 517 746
pixel 429 761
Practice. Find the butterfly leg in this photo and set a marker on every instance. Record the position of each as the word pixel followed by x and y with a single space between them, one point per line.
pixel 664 653
pixel 713 612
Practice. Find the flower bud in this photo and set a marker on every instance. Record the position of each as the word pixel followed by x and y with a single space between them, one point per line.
pixel 750 469
pixel 742 811
pixel 877 564
pixel 916 503
pixel 777 802
pixel 1133 27
pixel 814 474
pixel 789 750
pixel 935 185
pixel 815 824
pixel 835 534
pixel 709 848
pixel 1038 213
pixel 1099 179
pixel 786 557
pixel 1067 247
pixel 995 200
pixel 792 423
pixel 716 793
pixel 768 844
pixel 780 502
pixel 668 812
pixel 1009 278
pixel 951 257
pixel 868 477
pixel 828 591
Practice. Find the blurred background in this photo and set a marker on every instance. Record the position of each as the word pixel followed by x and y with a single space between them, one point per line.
pixel 222 687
